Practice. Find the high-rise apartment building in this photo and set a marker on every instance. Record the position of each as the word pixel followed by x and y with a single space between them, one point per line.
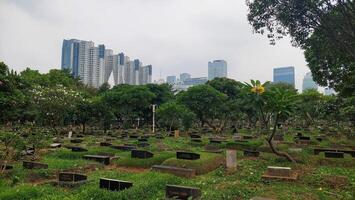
pixel 284 75
pixel 94 65
pixel 308 82
pixel 171 80
pixel 217 68
pixel 184 76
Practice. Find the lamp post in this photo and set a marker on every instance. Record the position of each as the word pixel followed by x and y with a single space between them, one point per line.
pixel 153 110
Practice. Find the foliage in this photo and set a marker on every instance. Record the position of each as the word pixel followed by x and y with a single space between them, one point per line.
pixel 173 115
pixel 323 28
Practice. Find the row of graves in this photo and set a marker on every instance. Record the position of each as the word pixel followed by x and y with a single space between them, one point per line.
pixel 71 179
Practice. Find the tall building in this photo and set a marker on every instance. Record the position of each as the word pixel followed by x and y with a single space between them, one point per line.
pixel 195 81
pixel 308 82
pixel 284 75
pixel 184 76
pixel 70 55
pixel 94 65
pixel 217 68
pixel 171 80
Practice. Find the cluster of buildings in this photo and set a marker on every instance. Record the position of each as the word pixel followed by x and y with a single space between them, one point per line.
pixel 287 75
pixel 95 64
pixel 216 69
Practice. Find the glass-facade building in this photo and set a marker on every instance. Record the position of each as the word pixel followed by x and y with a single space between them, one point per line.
pixel 308 82
pixel 171 79
pixel 70 55
pixel 284 75
pixel 217 69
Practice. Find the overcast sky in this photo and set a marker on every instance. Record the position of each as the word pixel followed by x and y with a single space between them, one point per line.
pixel 175 36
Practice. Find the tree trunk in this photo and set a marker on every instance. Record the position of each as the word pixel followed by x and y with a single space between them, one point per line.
pixel 274 150
pixel 84 124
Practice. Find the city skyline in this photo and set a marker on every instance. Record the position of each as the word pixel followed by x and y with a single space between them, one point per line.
pixel 94 65
pixel 174 36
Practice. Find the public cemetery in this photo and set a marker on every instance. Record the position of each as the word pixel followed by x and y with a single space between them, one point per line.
pixel 220 140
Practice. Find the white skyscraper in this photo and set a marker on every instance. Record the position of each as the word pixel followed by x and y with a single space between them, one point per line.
pixel 94 65
pixel 217 68
pixel 308 82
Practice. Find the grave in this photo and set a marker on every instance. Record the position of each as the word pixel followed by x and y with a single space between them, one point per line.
pixel 213 149
pixel 143 144
pixel 98 158
pixel 187 155
pixel 142 140
pixel 176 133
pixel 34 165
pixel 195 136
pixel 177 171
pixel 251 153
pixel 55 145
pixel 333 154
pixel 319 150
pixel 105 144
pixel 196 140
pixel 114 185
pixel 283 173
pixel 248 137
pixel 295 150
pixel 142 154
pixel 134 136
pixel 76 141
pixel 231 159
pixel 77 149
pixel 7 167
pixel 71 179
pixel 278 137
pixel 124 147
pixel 182 192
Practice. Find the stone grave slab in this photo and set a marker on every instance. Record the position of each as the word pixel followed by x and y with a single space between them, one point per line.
pixel 195 136
pixel 34 165
pixel 77 149
pixel 182 192
pixel 187 155
pixel 124 147
pixel 177 171
pixel 196 140
pixel 142 140
pixel 70 179
pixel 105 144
pixel 333 154
pixel 98 158
pixel 143 144
pixel 7 167
pixel 282 173
pixel 134 136
pixel 210 148
pixel 114 185
pixel 55 145
pixel 76 141
pixel 231 159
pixel 251 153
pixel 142 154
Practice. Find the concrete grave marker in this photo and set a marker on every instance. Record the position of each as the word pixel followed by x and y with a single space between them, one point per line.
pixel 114 185
pixel 34 165
pixel 142 154
pixel 187 155
pixel 231 159
pixel 182 192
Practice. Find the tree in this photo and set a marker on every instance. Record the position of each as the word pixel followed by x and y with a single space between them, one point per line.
pixel 208 104
pixel 55 103
pixel 309 108
pixel 11 145
pixel 37 138
pixel 11 97
pixel 83 112
pixel 129 102
pixel 227 86
pixel 323 28
pixel 104 87
pixel 282 103
pixel 174 115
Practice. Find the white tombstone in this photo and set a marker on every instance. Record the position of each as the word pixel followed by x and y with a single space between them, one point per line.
pixel 70 134
pixel 231 159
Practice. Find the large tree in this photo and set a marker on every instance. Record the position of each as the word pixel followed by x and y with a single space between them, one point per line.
pixel 325 29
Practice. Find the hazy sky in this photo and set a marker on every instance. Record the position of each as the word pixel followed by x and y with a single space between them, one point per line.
pixel 175 36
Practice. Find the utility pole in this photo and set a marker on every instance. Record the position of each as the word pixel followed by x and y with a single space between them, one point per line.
pixel 153 106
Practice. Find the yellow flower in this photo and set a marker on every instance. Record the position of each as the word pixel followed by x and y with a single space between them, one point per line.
pixel 258 89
